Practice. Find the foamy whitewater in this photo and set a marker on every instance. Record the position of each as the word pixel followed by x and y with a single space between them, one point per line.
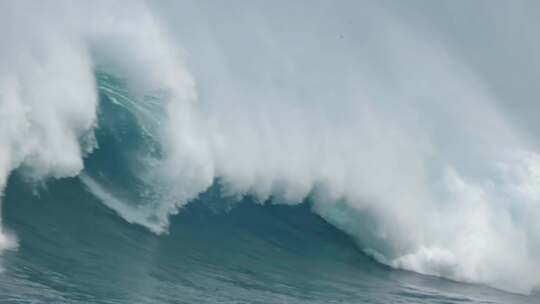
pixel 410 126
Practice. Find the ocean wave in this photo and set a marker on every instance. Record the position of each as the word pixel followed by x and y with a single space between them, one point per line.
pixel 393 137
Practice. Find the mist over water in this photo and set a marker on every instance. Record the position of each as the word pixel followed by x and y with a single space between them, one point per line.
pixel 410 127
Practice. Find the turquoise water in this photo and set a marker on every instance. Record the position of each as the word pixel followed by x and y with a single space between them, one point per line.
pixel 74 250
pixel 269 152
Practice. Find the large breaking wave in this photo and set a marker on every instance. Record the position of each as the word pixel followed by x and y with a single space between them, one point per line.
pixel 392 136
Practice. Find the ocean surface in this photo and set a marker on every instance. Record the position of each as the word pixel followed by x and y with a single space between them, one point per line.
pixel 269 152
pixel 72 249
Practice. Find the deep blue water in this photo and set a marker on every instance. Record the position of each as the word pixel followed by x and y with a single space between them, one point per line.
pixel 72 249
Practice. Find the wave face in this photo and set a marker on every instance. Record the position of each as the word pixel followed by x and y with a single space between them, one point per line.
pixel 270 158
